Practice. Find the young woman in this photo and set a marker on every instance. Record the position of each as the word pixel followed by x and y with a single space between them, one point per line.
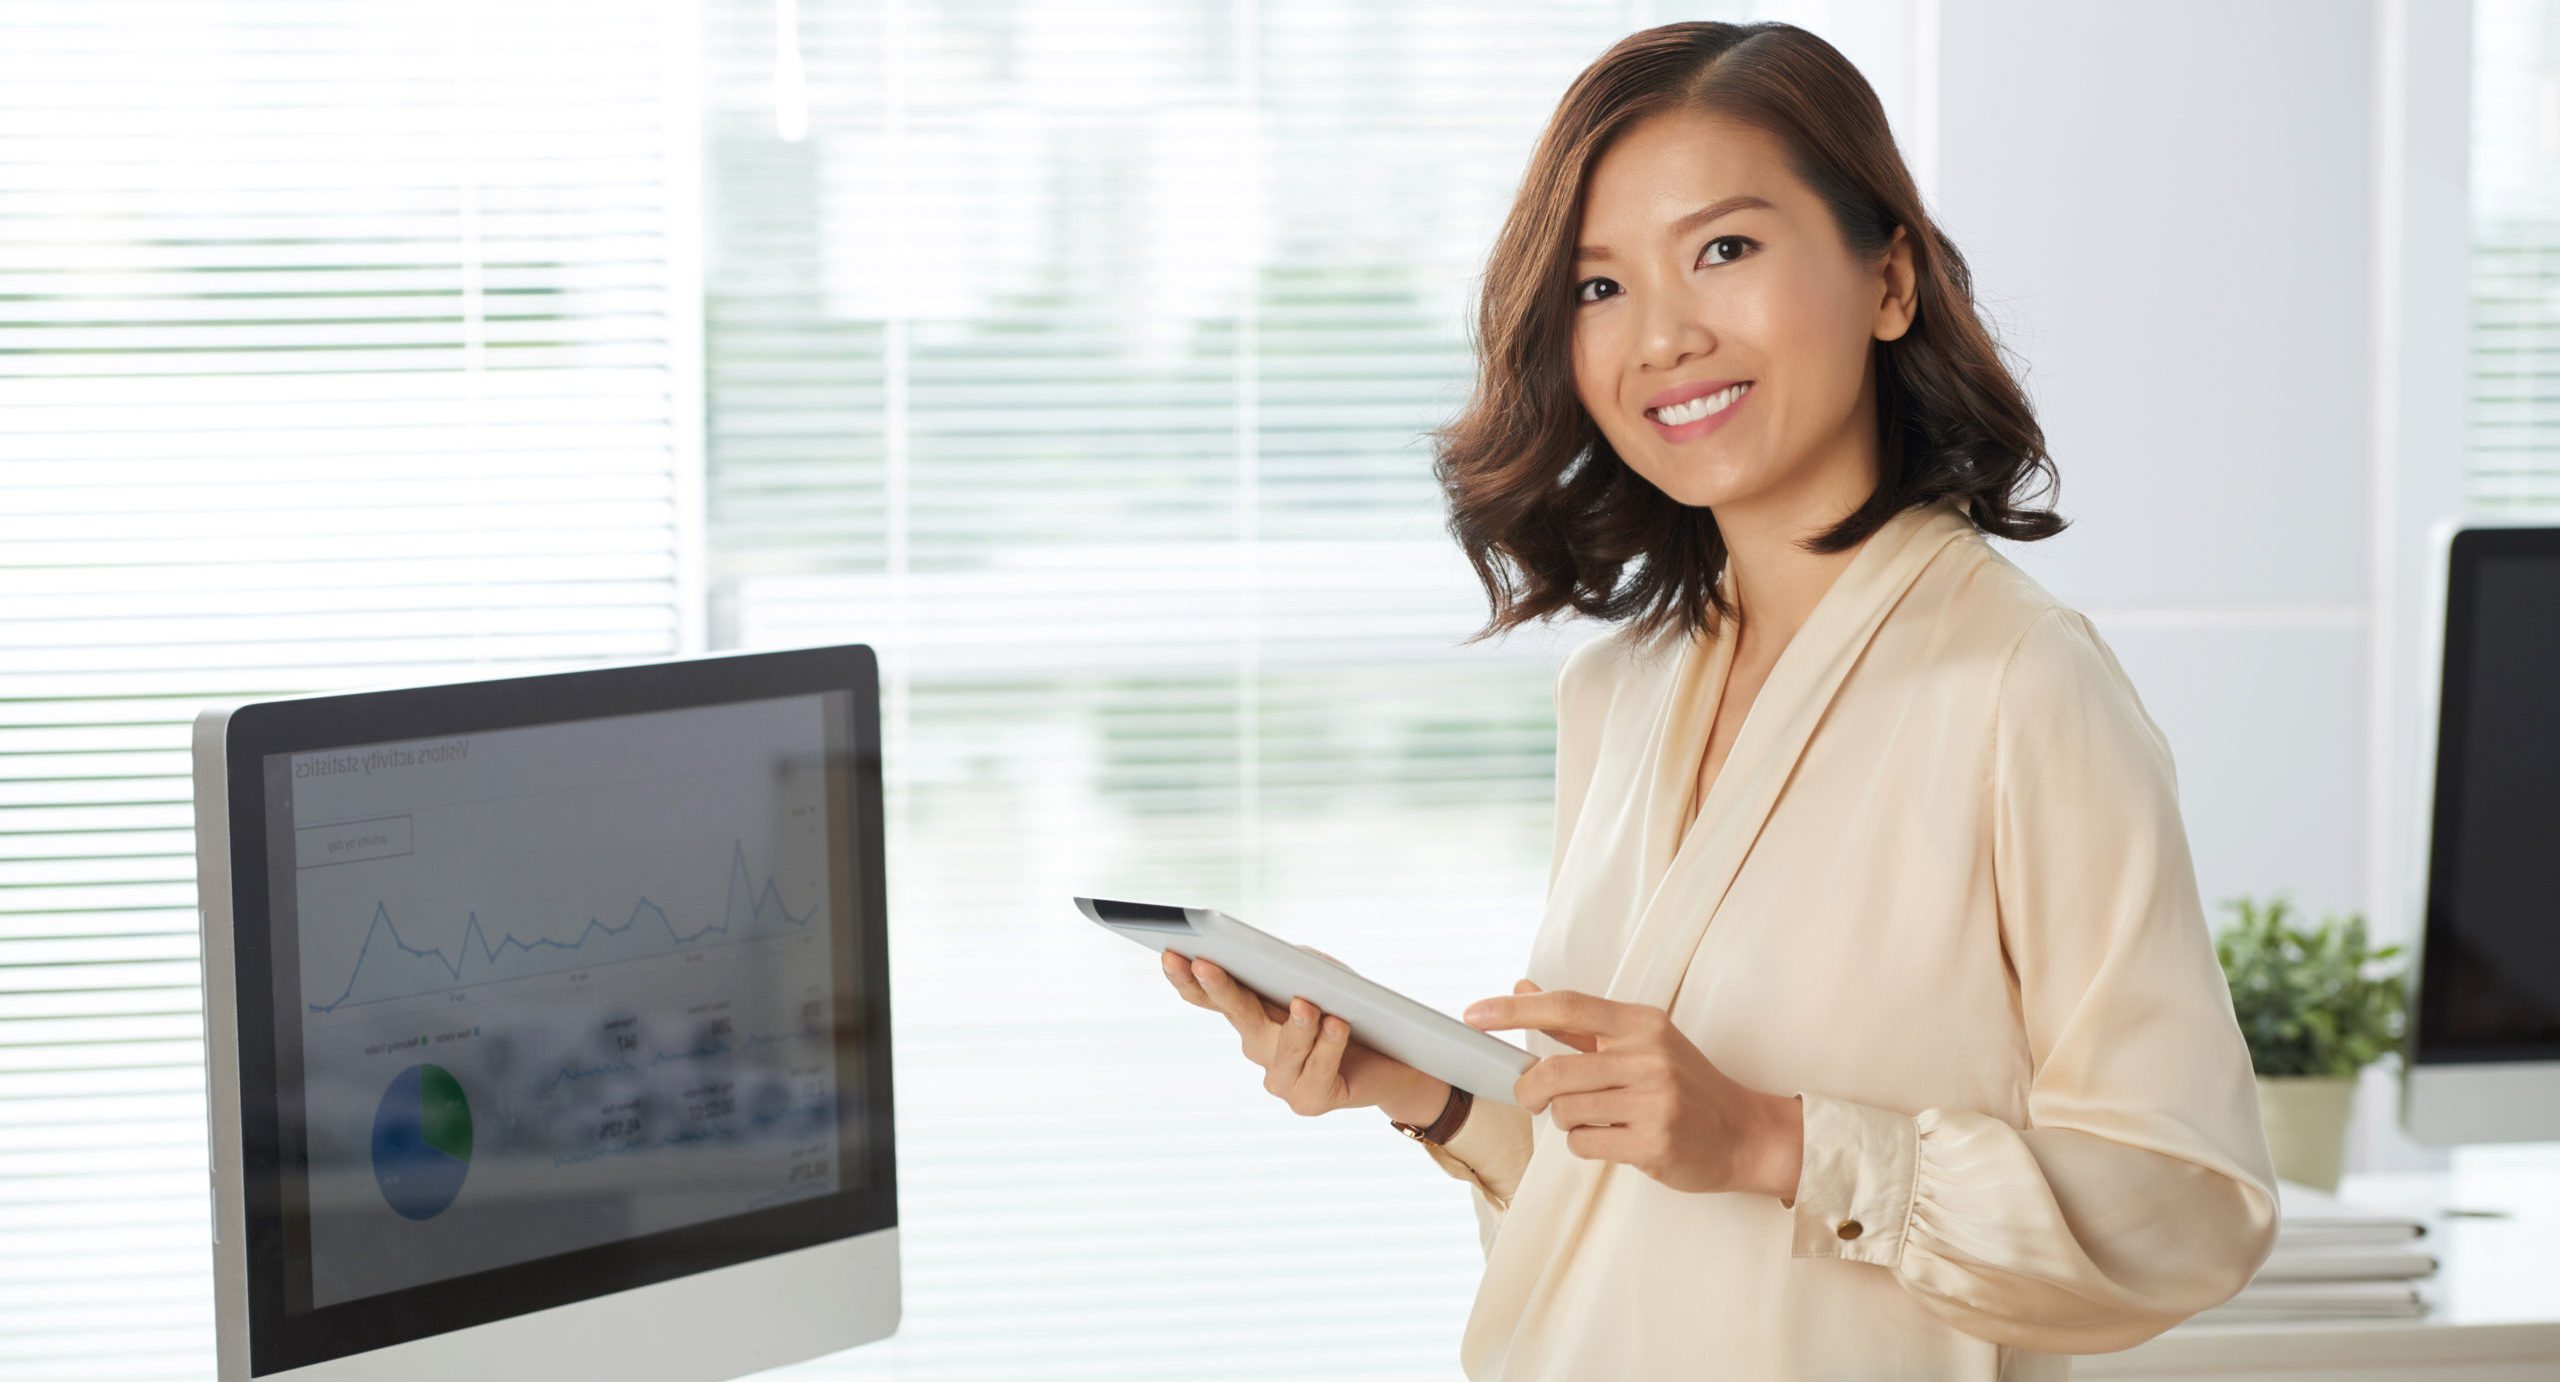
pixel 1880 1031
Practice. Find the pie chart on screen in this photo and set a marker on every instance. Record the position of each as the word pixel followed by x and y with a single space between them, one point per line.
pixel 422 1141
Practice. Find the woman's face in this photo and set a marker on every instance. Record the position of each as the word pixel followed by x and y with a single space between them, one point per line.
pixel 1722 331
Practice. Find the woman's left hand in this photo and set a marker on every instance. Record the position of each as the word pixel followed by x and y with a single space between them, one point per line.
pixel 1637 1090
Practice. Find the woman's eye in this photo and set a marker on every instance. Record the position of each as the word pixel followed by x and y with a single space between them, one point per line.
pixel 1594 289
pixel 1707 256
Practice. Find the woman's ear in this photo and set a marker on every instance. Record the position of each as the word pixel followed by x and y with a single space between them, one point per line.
pixel 1901 301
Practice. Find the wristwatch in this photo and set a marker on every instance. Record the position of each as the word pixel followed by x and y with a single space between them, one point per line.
pixel 1444 1127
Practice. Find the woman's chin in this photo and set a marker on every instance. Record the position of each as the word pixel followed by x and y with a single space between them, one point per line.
pixel 1706 487
pixel 1732 487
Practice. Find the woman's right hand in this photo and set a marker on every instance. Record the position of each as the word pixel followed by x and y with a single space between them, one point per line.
pixel 1307 1057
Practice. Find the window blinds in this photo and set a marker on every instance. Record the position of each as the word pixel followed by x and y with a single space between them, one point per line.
pixel 1077 355
pixel 1081 357
pixel 340 343
pixel 2515 257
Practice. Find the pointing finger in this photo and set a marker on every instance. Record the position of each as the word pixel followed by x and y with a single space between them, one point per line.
pixel 1561 1013
pixel 1573 1039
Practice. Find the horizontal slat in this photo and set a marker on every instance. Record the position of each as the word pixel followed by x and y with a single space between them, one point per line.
pixel 122 1055
pixel 511 579
pixel 545 395
pixel 223 362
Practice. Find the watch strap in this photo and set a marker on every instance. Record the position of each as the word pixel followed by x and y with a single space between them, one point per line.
pixel 1453 1115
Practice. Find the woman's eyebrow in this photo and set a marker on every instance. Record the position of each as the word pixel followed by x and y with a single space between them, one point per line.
pixel 1685 224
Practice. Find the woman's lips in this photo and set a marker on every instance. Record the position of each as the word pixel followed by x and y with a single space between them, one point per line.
pixel 1698 427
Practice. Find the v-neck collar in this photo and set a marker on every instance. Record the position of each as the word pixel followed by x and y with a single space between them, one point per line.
pixel 1693 867
pixel 1715 682
pixel 1691 873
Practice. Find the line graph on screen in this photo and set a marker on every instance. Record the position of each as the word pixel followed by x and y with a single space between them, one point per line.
pixel 389 966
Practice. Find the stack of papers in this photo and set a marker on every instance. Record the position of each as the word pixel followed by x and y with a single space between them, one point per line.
pixel 2333 1261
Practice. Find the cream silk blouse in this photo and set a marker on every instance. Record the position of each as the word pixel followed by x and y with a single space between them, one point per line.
pixel 1939 889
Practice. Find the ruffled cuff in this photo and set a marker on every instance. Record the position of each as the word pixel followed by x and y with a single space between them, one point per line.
pixel 1490 1148
pixel 1861 1164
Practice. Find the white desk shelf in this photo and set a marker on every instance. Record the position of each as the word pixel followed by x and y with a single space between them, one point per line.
pixel 2493 1305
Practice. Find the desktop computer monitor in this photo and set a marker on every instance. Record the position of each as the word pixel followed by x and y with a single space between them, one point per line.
pixel 2484 1055
pixel 548 1023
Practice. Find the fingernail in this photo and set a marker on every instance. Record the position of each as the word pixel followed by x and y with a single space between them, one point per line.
pixel 1478 1013
pixel 1297 1015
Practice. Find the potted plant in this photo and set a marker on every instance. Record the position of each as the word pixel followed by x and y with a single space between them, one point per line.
pixel 2314 1011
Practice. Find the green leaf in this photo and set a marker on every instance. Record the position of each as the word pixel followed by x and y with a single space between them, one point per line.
pixel 2309 1000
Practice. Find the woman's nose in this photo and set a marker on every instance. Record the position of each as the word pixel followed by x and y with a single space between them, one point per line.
pixel 1674 329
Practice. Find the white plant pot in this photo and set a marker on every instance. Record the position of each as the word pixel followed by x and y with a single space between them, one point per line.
pixel 2306 1118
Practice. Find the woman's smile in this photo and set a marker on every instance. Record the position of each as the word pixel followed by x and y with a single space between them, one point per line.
pixel 1687 412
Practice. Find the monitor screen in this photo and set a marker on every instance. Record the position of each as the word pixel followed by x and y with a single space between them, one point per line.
pixel 2489 989
pixel 553 1005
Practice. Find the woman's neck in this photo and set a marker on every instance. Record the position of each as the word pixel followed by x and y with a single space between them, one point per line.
pixel 1770 577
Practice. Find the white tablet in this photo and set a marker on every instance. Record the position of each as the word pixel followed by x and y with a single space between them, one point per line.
pixel 1381 1019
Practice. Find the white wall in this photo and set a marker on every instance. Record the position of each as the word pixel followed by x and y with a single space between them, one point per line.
pixel 2230 242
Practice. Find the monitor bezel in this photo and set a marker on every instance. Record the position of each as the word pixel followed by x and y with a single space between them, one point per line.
pixel 281 1340
pixel 2430 1043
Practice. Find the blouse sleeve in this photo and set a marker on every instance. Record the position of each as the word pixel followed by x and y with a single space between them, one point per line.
pixel 1488 1151
pixel 2140 1191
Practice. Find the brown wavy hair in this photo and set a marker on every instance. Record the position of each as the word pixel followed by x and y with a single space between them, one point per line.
pixel 1550 516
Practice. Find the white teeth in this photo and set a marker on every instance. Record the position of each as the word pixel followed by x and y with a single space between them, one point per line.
pixel 1680 414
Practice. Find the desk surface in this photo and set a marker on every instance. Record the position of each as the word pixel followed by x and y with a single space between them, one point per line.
pixel 2494 1301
